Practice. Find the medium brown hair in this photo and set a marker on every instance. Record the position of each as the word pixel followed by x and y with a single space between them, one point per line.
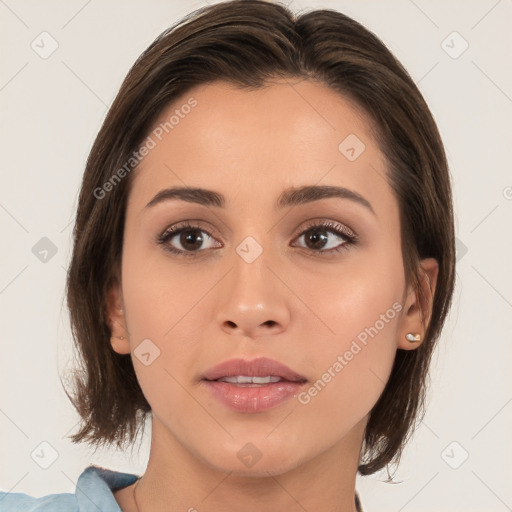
pixel 248 43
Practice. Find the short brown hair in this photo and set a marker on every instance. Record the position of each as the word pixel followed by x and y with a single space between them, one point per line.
pixel 248 43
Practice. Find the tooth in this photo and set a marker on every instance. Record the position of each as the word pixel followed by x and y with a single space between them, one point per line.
pixel 231 380
pixel 244 379
pixel 261 380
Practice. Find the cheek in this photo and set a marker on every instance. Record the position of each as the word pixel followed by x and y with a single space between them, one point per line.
pixel 164 307
pixel 158 294
pixel 356 341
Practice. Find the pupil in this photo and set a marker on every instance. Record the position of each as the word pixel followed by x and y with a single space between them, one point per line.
pixel 190 240
pixel 317 237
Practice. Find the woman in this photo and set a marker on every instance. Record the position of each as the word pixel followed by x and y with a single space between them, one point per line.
pixel 263 262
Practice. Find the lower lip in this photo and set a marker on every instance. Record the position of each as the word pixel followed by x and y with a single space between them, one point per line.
pixel 253 398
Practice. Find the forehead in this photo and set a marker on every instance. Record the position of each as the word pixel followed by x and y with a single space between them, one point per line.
pixel 288 133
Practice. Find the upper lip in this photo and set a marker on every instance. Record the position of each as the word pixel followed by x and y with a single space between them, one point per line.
pixel 260 367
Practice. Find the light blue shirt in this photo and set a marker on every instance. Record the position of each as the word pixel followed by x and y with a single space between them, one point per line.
pixel 93 494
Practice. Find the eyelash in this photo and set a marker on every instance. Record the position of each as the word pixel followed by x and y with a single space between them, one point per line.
pixel 332 227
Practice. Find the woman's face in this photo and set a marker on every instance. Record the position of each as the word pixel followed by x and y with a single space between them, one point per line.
pixel 313 281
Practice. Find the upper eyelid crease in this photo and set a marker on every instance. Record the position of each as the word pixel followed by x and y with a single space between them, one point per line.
pixel 289 198
pixel 329 225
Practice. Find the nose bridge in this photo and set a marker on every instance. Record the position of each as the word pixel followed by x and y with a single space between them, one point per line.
pixel 250 283
pixel 252 299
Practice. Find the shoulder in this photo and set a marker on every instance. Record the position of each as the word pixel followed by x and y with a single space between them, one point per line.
pixel 19 502
pixel 93 492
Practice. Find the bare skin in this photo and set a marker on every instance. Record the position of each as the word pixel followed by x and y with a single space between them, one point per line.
pixel 298 303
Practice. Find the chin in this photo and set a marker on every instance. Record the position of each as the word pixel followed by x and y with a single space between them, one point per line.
pixel 255 460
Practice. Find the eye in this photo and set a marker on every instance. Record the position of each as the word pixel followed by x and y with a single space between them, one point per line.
pixel 319 237
pixel 186 239
pixel 327 237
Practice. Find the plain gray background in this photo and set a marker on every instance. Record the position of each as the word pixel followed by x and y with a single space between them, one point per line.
pixel 51 109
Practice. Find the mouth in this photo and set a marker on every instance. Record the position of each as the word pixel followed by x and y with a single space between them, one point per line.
pixel 258 371
pixel 252 385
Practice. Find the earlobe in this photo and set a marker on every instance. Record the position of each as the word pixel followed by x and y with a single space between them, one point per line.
pixel 116 318
pixel 120 344
pixel 418 306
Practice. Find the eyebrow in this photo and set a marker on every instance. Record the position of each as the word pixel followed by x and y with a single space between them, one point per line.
pixel 288 198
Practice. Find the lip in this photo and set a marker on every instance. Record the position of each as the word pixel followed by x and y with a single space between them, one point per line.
pixel 260 367
pixel 252 399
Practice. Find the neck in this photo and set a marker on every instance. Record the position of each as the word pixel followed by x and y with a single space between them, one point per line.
pixel 176 480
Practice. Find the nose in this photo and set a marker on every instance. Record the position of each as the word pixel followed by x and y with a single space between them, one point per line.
pixel 252 301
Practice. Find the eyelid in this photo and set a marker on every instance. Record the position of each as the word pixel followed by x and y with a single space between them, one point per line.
pixel 311 223
pixel 191 224
pixel 327 224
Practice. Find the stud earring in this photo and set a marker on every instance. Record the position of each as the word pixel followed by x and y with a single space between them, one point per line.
pixel 413 338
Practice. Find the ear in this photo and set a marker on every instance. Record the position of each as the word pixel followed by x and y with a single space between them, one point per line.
pixel 116 319
pixel 418 305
